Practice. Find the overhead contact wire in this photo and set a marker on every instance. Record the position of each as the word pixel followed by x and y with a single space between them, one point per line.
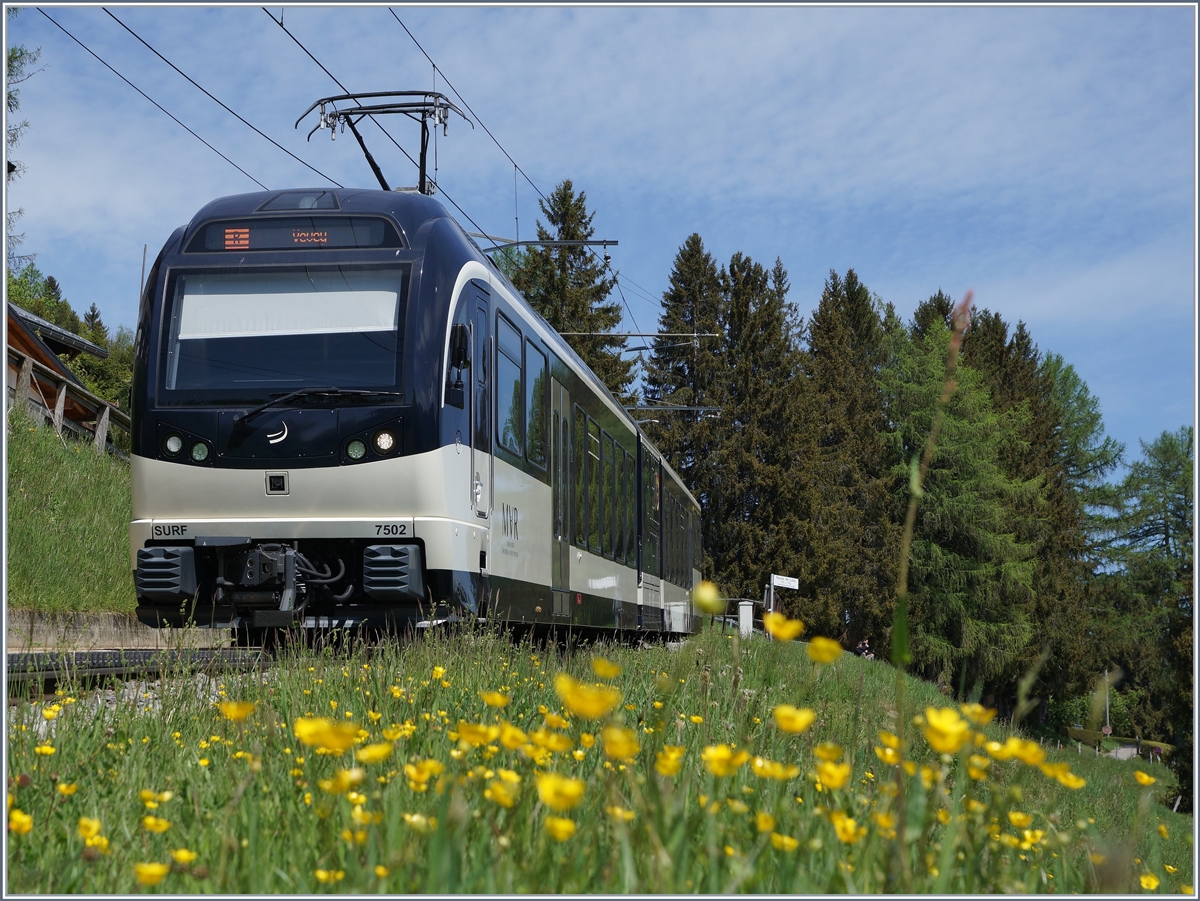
pixel 152 100
pixel 346 90
pixel 507 154
pixel 218 102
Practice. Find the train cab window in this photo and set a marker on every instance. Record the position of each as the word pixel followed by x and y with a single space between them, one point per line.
pixel 593 480
pixel 535 404
pixel 509 398
pixel 578 455
pixel 607 494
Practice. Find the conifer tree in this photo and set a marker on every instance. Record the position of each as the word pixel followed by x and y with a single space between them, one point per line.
pixel 569 288
pixel 970 579
pixel 849 536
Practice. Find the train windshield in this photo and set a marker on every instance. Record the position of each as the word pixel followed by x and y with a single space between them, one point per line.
pixel 243 334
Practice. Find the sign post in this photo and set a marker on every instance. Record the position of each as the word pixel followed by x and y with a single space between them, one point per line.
pixel 782 582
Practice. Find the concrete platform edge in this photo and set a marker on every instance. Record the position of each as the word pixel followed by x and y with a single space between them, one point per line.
pixel 31 631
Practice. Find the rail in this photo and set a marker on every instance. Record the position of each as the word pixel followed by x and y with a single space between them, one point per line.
pixel 32 376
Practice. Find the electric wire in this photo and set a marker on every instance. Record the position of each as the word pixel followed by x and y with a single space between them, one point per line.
pixel 463 100
pixel 215 100
pixel 152 100
pixel 307 52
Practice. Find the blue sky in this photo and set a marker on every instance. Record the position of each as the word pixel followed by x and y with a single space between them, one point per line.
pixel 1041 156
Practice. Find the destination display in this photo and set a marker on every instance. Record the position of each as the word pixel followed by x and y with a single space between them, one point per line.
pixel 295 233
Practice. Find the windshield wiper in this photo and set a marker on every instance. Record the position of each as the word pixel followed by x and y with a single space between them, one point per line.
pixel 309 392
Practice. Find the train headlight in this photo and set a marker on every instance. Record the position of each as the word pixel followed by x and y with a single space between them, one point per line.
pixel 173 445
pixel 199 451
pixel 385 441
pixel 356 450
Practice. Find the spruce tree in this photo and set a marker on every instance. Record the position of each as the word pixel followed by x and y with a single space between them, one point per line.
pixel 849 536
pixel 569 288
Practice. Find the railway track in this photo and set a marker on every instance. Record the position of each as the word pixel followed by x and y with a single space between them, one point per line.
pixel 48 668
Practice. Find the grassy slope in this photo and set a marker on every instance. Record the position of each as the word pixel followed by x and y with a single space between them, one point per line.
pixel 68 522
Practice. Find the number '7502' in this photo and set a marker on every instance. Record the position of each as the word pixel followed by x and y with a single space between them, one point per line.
pixel 391 529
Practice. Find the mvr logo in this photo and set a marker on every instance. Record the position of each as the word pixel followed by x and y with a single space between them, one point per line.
pixel 509 514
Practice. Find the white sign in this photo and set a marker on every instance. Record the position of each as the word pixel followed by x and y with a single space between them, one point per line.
pixel 784 581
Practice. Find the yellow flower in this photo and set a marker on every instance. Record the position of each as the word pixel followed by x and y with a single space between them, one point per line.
pixel 326 734
pixel 51 712
pixel 769 769
pixel 418 822
pixel 155 824
pixel 977 713
pixel 342 781
pixel 99 842
pixel 1162 830
pixel 329 875
pixel 828 750
pixel 44 750
pixel 236 710
pixel 669 760
pixel 721 760
pixel 421 772
pixel 502 793
pixel 619 743
pixel 833 775
pixel 605 669
pixel 67 788
pixel 559 792
pixel 886 823
pixel 203 761
pixel 783 842
pixel 1143 778
pixel 794 720
pixel 88 827
pixel 560 828
pixel 589 702
pixel 376 753
pixel 848 831
pixel 439 671
pixel 1149 881
pixel 381 871
pixel 763 821
pixel 887 755
pixel 151 873
pixel 19 822
pixel 945 730
pixel 620 813
pixel 552 741
pixel 495 698
pixel 1071 781
pixel 696 719
pixel 823 650
pixel 1019 819
pixel 781 628
pixel 708 599
pixel 1170 869
pixel 554 721
pixel 476 735
pixel 183 856
pixel 512 737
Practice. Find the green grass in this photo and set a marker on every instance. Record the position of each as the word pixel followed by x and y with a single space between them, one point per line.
pixel 258 819
pixel 68 524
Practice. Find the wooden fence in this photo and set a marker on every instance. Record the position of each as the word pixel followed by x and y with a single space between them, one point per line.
pixel 94 419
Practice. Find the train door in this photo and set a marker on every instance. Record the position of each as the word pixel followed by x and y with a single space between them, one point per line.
pixel 560 481
pixel 649 582
pixel 481 406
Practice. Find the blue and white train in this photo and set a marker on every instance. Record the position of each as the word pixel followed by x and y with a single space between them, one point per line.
pixel 345 415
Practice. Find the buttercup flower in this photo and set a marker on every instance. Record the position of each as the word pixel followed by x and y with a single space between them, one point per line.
pixel 183 856
pixel 781 628
pixel 945 730
pixel 589 702
pixel 721 760
pixel 1143 778
pixel 669 760
pixel 619 743
pixel 88 827
pixel 708 599
pixel 19 822
pixel 324 733
pixel 376 753
pixel 151 873
pixel 833 775
pixel 783 842
pixel 794 720
pixel 823 650
pixel 236 710
pixel 560 828
pixel 559 792
pixel 605 669
pixel 495 698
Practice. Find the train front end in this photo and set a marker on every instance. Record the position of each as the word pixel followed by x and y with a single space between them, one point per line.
pixel 289 455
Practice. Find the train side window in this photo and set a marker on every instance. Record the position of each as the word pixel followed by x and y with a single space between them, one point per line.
pixel 593 479
pixel 630 510
pixel 535 404
pixel 578 460
pixel 509 400
pixel 607 520
pixel 622 492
